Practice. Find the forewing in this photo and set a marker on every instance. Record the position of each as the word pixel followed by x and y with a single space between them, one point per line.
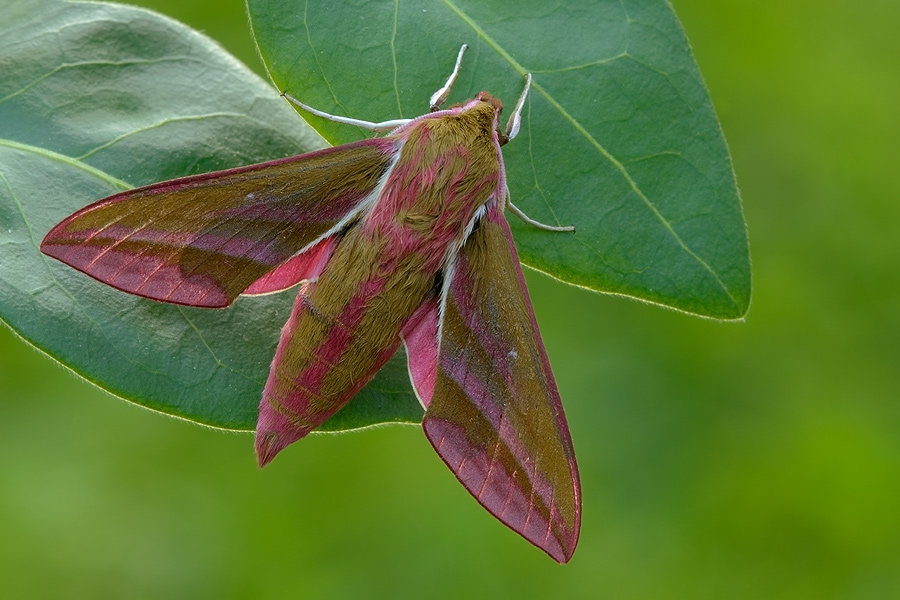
pixel 495 415
pixel 205 239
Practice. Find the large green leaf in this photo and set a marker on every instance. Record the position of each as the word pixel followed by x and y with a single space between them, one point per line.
pixel 97 95
pixel 619 139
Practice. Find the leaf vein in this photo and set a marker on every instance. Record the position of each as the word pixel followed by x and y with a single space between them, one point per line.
pixel 157 125
pixel 91 63
pixel 394 55
pixel 595 63
pixel 315 54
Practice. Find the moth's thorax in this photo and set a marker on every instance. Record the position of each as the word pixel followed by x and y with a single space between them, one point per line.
pixel 449 166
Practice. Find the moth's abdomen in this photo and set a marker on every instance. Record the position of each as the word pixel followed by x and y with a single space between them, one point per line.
pixel 342 330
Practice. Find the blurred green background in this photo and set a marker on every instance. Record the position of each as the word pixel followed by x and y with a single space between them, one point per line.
pixel 754 460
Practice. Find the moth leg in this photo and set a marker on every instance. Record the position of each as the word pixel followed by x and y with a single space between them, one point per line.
pixel 440 96
pixel 512 130
pixel 515 118
pixel 518 212
pixel 377 127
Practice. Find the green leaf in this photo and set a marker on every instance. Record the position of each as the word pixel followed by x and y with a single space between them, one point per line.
pixel 619 136
pixel 96 97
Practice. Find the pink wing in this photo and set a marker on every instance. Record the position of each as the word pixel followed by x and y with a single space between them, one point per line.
pixel 205 239
pixel 493 410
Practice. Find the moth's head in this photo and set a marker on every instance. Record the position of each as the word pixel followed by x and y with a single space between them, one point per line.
pixel 484 111
pixel 485 97
pixel 498 108
pixel 480 97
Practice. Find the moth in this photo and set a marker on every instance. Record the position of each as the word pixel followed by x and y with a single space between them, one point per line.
pixel 399 239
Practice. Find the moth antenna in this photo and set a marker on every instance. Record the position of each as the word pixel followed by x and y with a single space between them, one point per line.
pixel 518 212
pixel 515 119
pixel 376 127
pixel 440 96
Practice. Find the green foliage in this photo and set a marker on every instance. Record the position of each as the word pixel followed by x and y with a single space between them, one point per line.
pixel 619 138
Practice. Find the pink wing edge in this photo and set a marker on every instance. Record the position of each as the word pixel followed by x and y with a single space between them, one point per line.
pixel 422 344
